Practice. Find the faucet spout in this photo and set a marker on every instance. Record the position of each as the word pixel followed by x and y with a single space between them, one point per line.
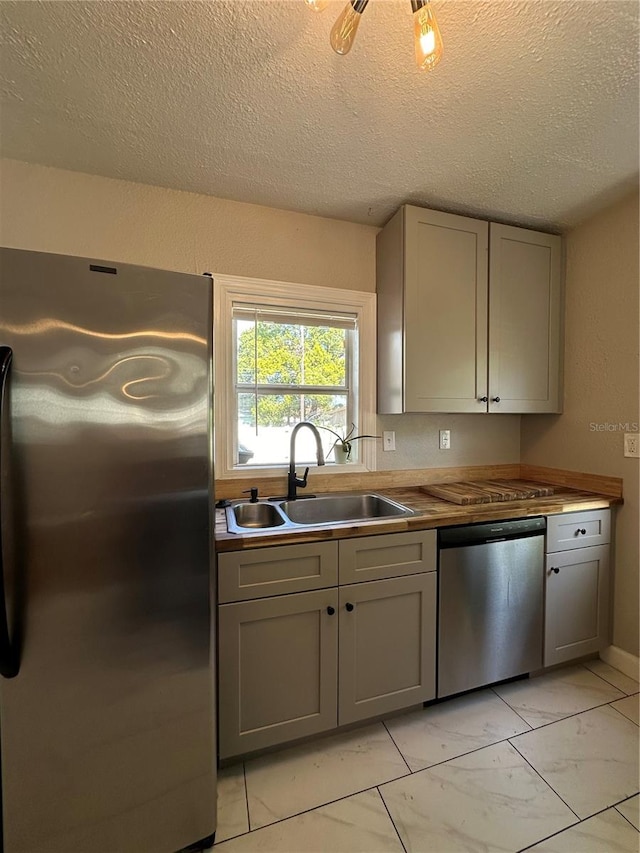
pixel 294 482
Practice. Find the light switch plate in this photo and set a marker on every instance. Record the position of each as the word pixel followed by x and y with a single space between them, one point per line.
pixel 445 439
pixel 632 444
pixel 388 440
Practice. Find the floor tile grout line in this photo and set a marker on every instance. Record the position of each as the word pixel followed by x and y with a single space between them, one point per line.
pixel 495 693
pixel 581 821
pixel 548 784
pixel 397 747
pixel 246 795
pixel 627 819
pixel 391 817
pixel 460 755
pixel 567 716
pixel 610 683
pixel 574 825
pixel 319 806
pixel 597 674
pixel 622 714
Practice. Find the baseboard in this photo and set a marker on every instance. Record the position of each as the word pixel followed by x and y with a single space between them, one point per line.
pixel 624 661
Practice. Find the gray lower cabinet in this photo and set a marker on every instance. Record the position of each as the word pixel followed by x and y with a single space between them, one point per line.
pixel 577 585
pixel 263 572
pixel 372 558
pixel 277 660
pixel 298 663
pixel 577 603
pixel 387 646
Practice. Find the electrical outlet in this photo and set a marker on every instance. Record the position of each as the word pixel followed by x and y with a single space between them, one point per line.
pixel 445 439
pixel 388 440
pixel 632 444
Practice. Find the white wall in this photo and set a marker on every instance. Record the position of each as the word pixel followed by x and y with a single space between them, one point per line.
pixel 601 385
pixel 70 213
pixel 53 210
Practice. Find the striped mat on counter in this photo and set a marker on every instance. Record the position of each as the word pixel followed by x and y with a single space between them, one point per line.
pixel 487 491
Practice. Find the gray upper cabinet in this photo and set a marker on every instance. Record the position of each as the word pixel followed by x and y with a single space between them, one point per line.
pixel 524 320
pixel 468 316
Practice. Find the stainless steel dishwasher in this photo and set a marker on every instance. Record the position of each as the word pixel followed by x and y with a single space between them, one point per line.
pixel 490 590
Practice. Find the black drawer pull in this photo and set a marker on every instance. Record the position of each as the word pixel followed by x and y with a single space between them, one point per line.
pixel 331 610
pixel 582 530
pixel 555 570
pixel 349 606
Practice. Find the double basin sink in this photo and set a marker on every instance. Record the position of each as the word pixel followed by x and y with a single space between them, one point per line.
pixel 245 517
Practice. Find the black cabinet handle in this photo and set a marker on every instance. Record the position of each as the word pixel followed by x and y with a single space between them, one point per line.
pixel 349 606
pixel 331 610
pixel 554 570
pixel 484 399
pixel 582 530
pixel 495 399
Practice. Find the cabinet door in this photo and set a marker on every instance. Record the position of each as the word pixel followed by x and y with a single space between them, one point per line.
pixel 277 669
pixel 387 645
pixel 524 320
pixel 576 604
pixel 445 312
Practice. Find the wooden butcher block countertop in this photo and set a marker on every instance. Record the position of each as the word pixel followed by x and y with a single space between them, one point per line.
pixel 431 512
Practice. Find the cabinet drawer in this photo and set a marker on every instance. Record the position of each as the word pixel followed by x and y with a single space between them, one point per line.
pixel 276 571
pixel 388 556
pixel 578 530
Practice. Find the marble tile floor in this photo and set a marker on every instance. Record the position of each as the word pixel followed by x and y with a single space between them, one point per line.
pixel 543 764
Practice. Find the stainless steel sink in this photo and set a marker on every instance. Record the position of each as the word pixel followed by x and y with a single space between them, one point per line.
pixel 244 517
pixel 342 508
pixel 257 516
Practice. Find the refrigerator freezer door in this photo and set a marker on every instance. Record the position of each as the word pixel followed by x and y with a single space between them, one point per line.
pixel 108 728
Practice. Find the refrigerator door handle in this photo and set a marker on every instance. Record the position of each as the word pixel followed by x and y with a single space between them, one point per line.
pixel 9 664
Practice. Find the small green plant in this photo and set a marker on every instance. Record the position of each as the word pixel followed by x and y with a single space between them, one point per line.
pixel 345 442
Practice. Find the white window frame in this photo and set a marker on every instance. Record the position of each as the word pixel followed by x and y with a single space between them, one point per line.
pixel 229 289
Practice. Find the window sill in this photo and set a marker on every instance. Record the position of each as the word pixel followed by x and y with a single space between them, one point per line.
pixel 246 473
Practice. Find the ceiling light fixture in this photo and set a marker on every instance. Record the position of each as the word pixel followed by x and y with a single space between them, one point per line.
pixel 427 38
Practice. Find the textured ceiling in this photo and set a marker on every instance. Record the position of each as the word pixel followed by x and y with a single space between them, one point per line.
pixel 531 117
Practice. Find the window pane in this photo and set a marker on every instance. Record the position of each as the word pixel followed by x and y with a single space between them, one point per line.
pixel 244 331
pixel 272 353
pixel 324 360
pixel 276 416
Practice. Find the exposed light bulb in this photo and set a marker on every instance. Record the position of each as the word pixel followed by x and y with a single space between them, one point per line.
pixel 317 5
pixel 345 28
pixel 428 41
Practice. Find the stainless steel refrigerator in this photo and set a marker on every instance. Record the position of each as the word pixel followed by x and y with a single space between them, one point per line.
pixel 106 637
